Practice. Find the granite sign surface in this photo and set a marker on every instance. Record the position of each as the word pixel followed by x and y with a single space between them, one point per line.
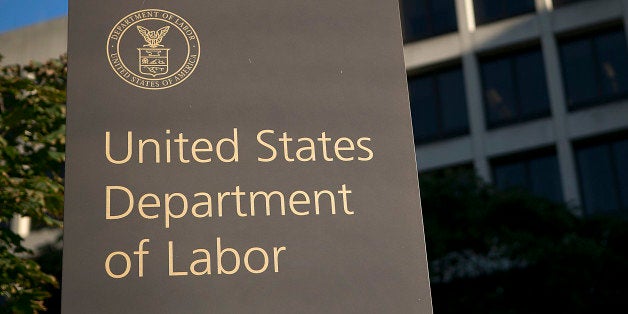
pixel 246 156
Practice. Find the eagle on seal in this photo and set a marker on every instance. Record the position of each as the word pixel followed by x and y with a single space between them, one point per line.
pixel 153 38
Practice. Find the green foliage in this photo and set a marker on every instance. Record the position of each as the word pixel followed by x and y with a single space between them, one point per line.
pixel 494 251
pixel 32 156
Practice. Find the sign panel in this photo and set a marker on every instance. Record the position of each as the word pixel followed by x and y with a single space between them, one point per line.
pixel 240 157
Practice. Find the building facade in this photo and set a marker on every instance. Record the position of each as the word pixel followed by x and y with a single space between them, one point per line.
pixel 38 42
pixel 530 93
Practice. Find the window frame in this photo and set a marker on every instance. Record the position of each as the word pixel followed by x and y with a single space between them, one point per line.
pixel 511 55
pixel 527 158
pixel 432 74
pixel 606 142
pixel 590 35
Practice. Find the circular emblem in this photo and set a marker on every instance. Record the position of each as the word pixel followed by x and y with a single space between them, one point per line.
pixel 153 49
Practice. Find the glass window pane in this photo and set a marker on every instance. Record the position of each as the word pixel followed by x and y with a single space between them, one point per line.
pixel 579 72
pixel 491 10
pixel 453 102
pixel 487 10
pixel 498 90
pixel 620 150
pixel 424 18
pixel 531 83
pixel 423 103
pixel 510 175
pixel 545 178
pixel 519 7
pixel 559 3
pixel 596 179
pixel 443 16
pixel 612 54
pixel 415 19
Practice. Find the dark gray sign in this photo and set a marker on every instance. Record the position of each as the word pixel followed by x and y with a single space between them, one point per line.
pixel 247 156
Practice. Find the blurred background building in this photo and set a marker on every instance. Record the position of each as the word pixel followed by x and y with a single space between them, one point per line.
pixel 529 93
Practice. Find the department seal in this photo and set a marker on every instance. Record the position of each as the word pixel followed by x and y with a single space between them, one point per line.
pixel 153 49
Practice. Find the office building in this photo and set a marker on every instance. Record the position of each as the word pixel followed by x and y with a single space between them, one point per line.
pixel 530 93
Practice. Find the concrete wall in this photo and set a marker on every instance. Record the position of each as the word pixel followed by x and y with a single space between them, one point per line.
pixel 38 42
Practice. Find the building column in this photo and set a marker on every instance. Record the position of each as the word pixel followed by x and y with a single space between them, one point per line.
pixel 558 105
pixel 21 225
pixel 473 87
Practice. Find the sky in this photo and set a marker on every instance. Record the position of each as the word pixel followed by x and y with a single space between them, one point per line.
pixel 19 13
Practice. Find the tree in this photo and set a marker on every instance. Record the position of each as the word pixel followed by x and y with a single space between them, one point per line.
pixel 493 251
pixel 32 155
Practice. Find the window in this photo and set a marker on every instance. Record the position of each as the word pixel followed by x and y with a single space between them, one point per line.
pixel 425 18
pixel 595 68
pixel 438 105
pixel 457 172
pixel 514 88
pixel 603 170
pixel 460 176
pixel 487 11
pixel 537 174
pixel 560 3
